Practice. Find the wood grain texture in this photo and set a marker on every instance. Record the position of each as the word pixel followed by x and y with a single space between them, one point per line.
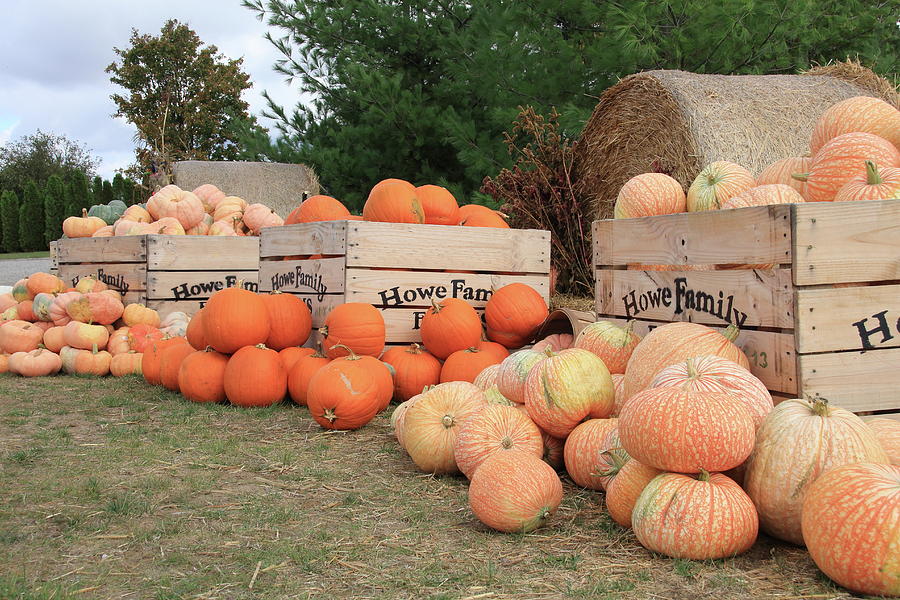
pixel 856 318
pixel 122 277
pixel 856 381
pixel 324 275
pixel 202 253
pixel 124 249
pixel 327 237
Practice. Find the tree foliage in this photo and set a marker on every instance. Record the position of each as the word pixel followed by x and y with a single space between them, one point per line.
pixel 54 208
pixel 180 95
pixel 9 218
pixel 424 90
pixel 31 219
pixel 38 156
pixel 78 193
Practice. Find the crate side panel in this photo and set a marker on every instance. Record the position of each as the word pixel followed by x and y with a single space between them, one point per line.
pixel 755 235
pixel 400 245
pixel 122 277
pixel 320 305
pixel 327 237
pixel 122 249
pixel 202 253
pixel 856 381
pixel 318 276
pixel 747 298
pixel 845 242
pixel 855 318
pixel 164 307
pixel 193 285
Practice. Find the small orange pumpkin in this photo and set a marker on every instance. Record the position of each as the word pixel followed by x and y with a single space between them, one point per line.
pixel 649 194
pixel 450 325
pixel 516 310
pixel 414 369
pixel 126 363
pixel 201 376
pixel 354 325
pixel 393 201
pixel 254 376
pixel 318 208
pixel 346 393
pixel 83 226
pixel 439 205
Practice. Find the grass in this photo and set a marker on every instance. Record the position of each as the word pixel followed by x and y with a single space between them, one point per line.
pixel 113 489
pixel 13 255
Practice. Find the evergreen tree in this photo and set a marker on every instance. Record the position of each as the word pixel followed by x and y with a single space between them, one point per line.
pixel 96 190
pixel 9 215
pixel 107 194
pixel 54 208
pixel 80 194
pixel 31 219
pixel 120 191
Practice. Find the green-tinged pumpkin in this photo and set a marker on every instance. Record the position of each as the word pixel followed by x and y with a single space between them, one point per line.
pixel 110 213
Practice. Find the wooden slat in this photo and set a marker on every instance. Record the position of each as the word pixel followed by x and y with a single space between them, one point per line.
pixel 320 276
pixel 746 298
pixel 755 235
pixel 202 253
pixel 400 245
pixel 138 297
pixel 855 318
pixel 320 305
pixel 771 355
pixel 191 285
pixel 328 237
pixel 164 307
pixel 857 381
pixel 842 242
pixel 888 415
pixel 123 249
pixel 402 325
pixel 122 277
pixel 393 289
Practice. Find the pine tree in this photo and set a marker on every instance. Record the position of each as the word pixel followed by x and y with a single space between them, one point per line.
pixel 31 218
pixel 9 214
pixel 54 208
pixel 80 196
pixel 120 191
pixel 96 190
pixel 107 194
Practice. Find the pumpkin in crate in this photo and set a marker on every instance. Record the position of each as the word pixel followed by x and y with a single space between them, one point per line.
pixel 137 214
pixel 613 344
pixel 222 228
pixel 137 314
pixel 150 359
pixel 876 184
pixel 465 365
pixel 110 213
pixel 887 432
pixel 302 372
pixel 695 517
pixel 649 194
pixel 89 284
pixel 495 428
pixel 843 158
pixel 95 307
pixel 625 488
pixel 439 205
pixel 20 336
pixel 414 369
pixel 36 363
pixel 782 171
pixel 850 520
pixel 104 232
pixel 201 228
pixel 201 376
pixel 485 219
pixel 514 492
pixel 230 209
pixel 126 363
pixel 174 202
pixel 254 376
pixel 393 201
pixel 515 310
pixel 354 325
pixel 514 371
pixel 347 392
pixel 210 195
pixel 257 216
pixel 583 453
pixel 170 359
pixel 83 226
pixel 860 113
pixel 798 442
pixel 166 226
pixel 290 320
pixel 234 318
pixel 716 183
pixel 450 325
pixel 764 195
pixel 44 283
pixel 318 208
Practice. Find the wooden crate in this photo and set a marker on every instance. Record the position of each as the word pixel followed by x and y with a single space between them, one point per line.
pixel 824 320
pixel 54 263
pixel 399 268
pixel 165 272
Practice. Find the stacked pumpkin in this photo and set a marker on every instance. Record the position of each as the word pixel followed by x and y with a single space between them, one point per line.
pixel 173 211
pixel 46 327
pixel 853 156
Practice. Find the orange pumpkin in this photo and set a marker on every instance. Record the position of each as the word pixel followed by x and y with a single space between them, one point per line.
pixel 764 195
pixel 290 320
pixel 254 376
pixel 625 488
pixel 302 372
pixel 782 171
pixel 170 360
pixel 234 318
pixel 851 516
pixel 25 311
pixel 20 336
pixel 439 205
pixel 209 195
pixel 843 158
pixel 195 334
pixel 84 336
pixel 96 307
pixel 485 219
pixel 37 363
pixel 354 325
pixel 649 194
pixel 141 336
pixel 106 231
pixel 44 283
pixel 495 428
pixel 137 214
pixel 289 357
pixel 860 113
pixel 514 492
pixel 613 344
pixel 716 183
pixel 150 359
pixel 127 363
pixel 7 301
pixel 876 184
pixel 347 392
pixel 393 201
pixel 465 365
pixel 53 339
pixel 583 453
pixel 135 314
pixel 450 325
pixel 887 432
pixel 414 370
pixel 554 450
pixel 83 226
pixel 498 350
pixel 201 376
pixel 516 310
pixel 257 216
pixel 318 208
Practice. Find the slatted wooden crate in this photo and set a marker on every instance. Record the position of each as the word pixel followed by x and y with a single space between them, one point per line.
pixel 824 319
pixel 399 268
pixel 54 263
pixel 166 272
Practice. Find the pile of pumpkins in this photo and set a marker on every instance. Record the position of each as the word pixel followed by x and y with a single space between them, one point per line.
pixel 208 211
pixel 853 156
pixel 684 441
pixel 46 327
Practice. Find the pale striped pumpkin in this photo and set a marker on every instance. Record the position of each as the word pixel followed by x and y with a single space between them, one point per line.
pixel 649 194
pixel 843 158
pixel 782 171
pixel 875 184
pixel 613 344
pixel 583 452
pixel 887 432
pixel 716 183
pixel 764 195
pixel 625 487
pixel 495 428
pixel 860 113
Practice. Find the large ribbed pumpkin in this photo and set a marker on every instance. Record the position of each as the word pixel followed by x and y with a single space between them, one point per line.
pixel 439 205
pixel 625 488
pixel 234 318
pixel 875 184
pixel 716 183
pixel 764 195
pixel 431 424
pixel 346 393
pixel 851 526
pixel 414 369
pixel 782 171
pixel 290 320
pixel 887 432
pixel 717 374
pixel 393 201
pixel 798 442
pixel 514 371
pixel 566 387
pixel 450 325
pixel 613 344
pixel 649 194
pixel 843 158
pixel 514 311
pixel 583 452
pixel 675 342
pixel 697 518
pixel 678 429
pixel 318 208
pixel 514 492
pixel 201 376
pixel 254 376
pixel 354 325
pixel 860 113
pixel 495 428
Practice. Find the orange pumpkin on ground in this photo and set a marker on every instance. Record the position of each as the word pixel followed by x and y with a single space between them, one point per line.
pixel 318 208
pixel 514 492
pixel 290 320
pixel 37 363
pixel 119 342
pixel 254 376
pixel 346 393
pixel 393 201
pixel 290 356
pixel 354 325
pixel 716 183
pixel 84 337
pixel 126 363
pixel 201 376
pixel 170 360
pixel 53 339
pixel 414 369
pixel 150 359
pixel 843 158
pixel 495 428
pixel 234 318
pixel 439 205
pixel 302 372
pixel 141 336
pixel 554 450
pixel 450 325
pixel 625 488
pixel 465 365
pixel 613 344
pixel 875 184
pixel 860 113
pixel 195 334
pixel 44 283
pixel 583 449
pixel 649 194
pixel 20 336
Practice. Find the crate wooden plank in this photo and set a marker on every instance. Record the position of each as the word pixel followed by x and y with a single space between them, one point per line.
pixel 400 245
pixel 320 305
pixel 403 325
pixel 164 307
pixel 122 277
pixel 122 249
pixel 857 381
pixel 395 289
pixel 202 253
pixel 843 242
pixel 319 276
pixel 138 297
pixel 887 415
pixel 747 298
pixel 328 237
pixel 855 318
pixel 755 235
pixel 771 355
pixel 192 285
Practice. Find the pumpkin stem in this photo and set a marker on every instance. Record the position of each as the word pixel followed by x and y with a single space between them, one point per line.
pixel 506 442
pixel 261 346
pixel 549 352
pixel 820 406
pixel 447 421
pixel 319 353
pixel 84 213
pixel 435 307
pixel 94 349
pixel 351 356
pixel 691 368
pixel 704 475
pixel 329 415
pixel 800 176
pixel 873 177
pixel 414 348
pixel 731 332
pixel 618 457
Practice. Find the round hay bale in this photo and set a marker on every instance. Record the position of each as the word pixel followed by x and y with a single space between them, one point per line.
pixel 676 122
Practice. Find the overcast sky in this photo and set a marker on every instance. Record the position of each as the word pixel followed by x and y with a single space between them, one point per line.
pixel 53 56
